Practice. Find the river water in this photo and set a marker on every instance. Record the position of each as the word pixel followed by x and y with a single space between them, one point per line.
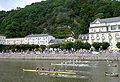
pixel 91 71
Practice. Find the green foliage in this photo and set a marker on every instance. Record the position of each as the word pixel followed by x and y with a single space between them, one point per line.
pixel 1 47
pixel 118 45
pixel 60 32
pixel 62 46
pixel 105 45
pixel 68 45
pixel 52 16
pixel 42 47
pixel 78 45
pixel 54 46
pixel 19 48
pixel 86 46
pixel 97 45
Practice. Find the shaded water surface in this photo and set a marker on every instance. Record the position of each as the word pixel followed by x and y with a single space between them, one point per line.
pixel 93 71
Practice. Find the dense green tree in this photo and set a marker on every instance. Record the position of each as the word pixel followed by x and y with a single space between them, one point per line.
pixel 105 45
pixel 54 46
pixel 62 46
pixel 42 47
pixel 68 45
pixel 86 46
pixel 1 47
pixel 78 45
pixel 52 16
pixel 97 45
pixel 118 45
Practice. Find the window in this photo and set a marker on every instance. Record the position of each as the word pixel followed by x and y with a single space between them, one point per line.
pixel 94 30
pixel 118 27
pixel 109 34
pixel 102 29
pixel 97 35
pixel 117 40
pixel 92 36
pixel 99 30
pixel 110 42
pixel 113 27
pixel 103 37
pixel 117 34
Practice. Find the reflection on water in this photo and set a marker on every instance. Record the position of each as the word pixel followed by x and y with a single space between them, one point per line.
pixel 11 71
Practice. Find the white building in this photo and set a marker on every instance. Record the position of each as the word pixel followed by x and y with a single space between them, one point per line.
pixel 56 41
pixel 39 39
pixel 70 39
pixel 12 41
pixel 84 37
pixel 105 30
pixel 2 39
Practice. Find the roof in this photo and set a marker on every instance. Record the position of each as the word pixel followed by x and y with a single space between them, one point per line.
pixel 37 35
pixel 84 37
pixel 2 35
pixel 70 38
pixel 107 20
pixel 57 41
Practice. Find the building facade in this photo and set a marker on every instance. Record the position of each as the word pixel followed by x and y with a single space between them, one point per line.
pixel 70 39
pixel 12 41
pixel 84 37
pixel 2 39
pixel 39 39
pixel 105 30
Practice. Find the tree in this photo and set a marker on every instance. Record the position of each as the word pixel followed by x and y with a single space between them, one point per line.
pixel 105 45
pixel 78 45
pixel 1 47
pixel 42 47
pixel 54 14
pixel 68 45
pixel 118 45
pixel 86 46
pixel 54 46
pixel 97 45
pixel 62 46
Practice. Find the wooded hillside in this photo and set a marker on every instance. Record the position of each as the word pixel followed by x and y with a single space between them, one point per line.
pixel 60 18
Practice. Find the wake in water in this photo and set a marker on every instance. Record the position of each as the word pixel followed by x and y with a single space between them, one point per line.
pixel 66 75
pixel 76 65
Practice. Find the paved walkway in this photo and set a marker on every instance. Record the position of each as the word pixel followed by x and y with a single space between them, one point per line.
pixel 62 56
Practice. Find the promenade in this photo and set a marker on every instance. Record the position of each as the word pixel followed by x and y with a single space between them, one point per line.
pixel 68 56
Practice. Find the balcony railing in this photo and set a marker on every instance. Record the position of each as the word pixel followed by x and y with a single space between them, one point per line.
pixel 117 36
pixel 92 38
pixel 97 38
pixel 103 37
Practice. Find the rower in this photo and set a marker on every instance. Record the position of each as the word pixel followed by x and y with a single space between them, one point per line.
pixel 37 68
pixel 49 69
pixel 54 69
pixel 42 68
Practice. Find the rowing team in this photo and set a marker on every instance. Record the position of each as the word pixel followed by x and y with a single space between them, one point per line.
pixel 37 68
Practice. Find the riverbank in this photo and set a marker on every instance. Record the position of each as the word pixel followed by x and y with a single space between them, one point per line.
pixel 93 57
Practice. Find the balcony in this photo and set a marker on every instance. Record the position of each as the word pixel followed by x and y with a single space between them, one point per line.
pixel 110 37
pixel 117 36
pixel 92 38
pixel 103 37
pixel 98 38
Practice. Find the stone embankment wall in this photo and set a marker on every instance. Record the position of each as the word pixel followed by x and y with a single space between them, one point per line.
pixel 62 56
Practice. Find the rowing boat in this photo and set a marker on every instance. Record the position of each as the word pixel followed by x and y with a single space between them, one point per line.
pixel 111 74
pixel 56 72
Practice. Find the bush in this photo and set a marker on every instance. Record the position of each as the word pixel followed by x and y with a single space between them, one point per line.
pixel 118 45
pixel 97 45
pixel 105 45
